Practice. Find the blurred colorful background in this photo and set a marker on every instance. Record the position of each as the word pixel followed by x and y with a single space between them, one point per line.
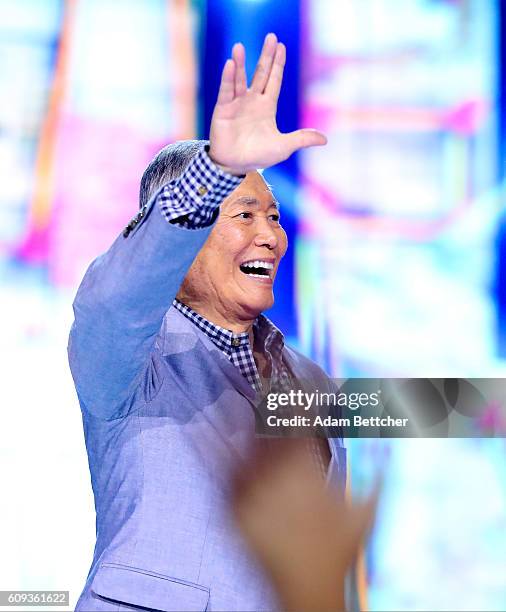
pixel 397 228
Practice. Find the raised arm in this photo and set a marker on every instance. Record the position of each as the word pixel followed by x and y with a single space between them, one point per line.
pixel 126 292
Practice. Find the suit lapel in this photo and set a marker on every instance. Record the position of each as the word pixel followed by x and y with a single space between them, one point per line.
pixel 231 425
pixel 176 323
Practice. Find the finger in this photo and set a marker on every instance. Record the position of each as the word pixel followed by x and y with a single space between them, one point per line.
pixel 264 64
pixel 301 139
pixel 239 57
pixel 273 86
pixel 227 85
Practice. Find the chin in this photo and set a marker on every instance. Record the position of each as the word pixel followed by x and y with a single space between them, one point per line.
pixel 256 308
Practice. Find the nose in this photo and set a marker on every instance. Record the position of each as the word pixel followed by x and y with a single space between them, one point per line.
pixel 265 235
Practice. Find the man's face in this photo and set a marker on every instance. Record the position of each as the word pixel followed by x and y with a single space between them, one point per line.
pixel 231 279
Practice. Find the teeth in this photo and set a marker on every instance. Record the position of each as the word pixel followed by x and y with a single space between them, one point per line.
pixel 259 264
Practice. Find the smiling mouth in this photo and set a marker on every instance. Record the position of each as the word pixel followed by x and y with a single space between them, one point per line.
pixel 258 268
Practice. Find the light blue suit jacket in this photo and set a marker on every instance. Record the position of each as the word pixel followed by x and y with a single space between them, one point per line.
pixel 166 419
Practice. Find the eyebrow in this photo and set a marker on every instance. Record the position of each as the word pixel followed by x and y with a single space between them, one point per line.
pixel 250 201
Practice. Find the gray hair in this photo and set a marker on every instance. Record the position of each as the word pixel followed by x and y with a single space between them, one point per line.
pixel 166 165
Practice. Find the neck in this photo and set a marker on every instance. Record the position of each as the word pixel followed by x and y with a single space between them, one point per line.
pixel 228 321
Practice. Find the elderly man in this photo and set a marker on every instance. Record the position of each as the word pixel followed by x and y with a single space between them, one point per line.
pixel 171 356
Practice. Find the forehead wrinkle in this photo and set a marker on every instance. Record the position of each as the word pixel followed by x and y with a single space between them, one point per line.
pixel 253 202
pixel 246 200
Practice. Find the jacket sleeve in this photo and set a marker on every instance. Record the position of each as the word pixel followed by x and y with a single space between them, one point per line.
pixel 122 300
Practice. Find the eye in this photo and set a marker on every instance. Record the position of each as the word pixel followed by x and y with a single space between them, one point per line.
pixel 275 217
pixel 245 215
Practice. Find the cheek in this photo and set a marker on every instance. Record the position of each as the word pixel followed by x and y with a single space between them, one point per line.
pixel 217 259
pixel 231 241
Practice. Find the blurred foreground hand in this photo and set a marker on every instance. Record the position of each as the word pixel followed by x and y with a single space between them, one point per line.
pixel 304 536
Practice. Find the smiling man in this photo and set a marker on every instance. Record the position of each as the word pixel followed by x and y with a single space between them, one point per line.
pixel 171 356
pixel 231 280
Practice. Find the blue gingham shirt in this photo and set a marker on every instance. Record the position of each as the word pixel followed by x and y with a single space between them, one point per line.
pixel 192 200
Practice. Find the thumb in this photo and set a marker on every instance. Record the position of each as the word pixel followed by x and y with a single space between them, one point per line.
pixel 301 139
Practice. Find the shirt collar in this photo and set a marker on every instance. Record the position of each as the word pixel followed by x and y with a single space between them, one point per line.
pixel 268 336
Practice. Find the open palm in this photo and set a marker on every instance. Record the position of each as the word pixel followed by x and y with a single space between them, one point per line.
pixel 244 135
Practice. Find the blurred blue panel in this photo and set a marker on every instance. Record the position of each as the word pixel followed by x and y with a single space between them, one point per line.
pixel 248 21
pixel 499 286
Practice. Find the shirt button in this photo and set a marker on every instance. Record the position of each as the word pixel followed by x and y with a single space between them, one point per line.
pixel 202 190
pixel 236 342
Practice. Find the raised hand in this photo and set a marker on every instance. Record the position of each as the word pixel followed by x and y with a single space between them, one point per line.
pixel 244 135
